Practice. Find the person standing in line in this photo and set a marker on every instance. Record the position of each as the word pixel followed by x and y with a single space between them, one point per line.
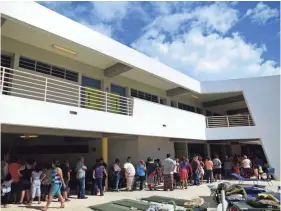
pixel 151 169
pixel 246 164
pixel 177 173
pixel 159 171
pixel 25 174
pixel 169 167
pixel 141 169
pixel 184 169
pixel 227 167
pixel 117 171
pixel 217 168
pixel 98 173
pixel 13 167
pixel 201 169
pixel 66 176
pixel 46 182
pixel 129 173
pixel 209 169
pixel 81 173
pixel 6 190
pixel 104 175
pixel 5 166
pixel 196 170
pixel 57 183
pixel 35 180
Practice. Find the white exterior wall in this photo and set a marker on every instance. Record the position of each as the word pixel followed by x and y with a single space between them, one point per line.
pixel 148 118
pixel 262 96
pixel 155 147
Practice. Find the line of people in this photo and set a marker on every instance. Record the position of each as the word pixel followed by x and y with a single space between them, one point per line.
pixel 31 181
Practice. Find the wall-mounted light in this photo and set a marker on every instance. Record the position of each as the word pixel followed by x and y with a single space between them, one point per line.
pixel 65 50
pixel 194 96
pixel 28 136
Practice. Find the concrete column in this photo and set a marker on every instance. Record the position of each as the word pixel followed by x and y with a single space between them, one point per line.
pixel 187 153
pixel 105 156
pixel 208 151
pixel 105 85
pixel 15 61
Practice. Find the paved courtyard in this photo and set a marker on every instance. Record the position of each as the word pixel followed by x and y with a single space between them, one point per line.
pixel 82 205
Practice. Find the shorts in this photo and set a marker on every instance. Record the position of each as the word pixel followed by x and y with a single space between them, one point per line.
pixel 15 187
pixel 25 185
pixel 35 191
pixel 217 171
pixel 66 186
pixel 45 189
pixel 55 189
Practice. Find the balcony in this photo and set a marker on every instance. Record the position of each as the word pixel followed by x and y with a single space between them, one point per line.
pixel 27 85
pixel 229 121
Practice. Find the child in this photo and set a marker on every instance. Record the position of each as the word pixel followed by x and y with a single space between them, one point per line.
pixel 236 168
pixel 35 180
pixel 256 173
pixel 260 171
pixel 6 190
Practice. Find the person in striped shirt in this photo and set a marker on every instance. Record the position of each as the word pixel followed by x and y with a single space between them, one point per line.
pixel 56 184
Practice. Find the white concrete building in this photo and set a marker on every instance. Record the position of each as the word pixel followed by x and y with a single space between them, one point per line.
pixel 68 91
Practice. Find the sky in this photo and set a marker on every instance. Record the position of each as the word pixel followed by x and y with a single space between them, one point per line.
pixel 204 40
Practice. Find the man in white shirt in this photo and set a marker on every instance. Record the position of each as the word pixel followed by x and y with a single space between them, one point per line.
pixel 129 173
pixel 246 164
pixel 169 167
pixel 81 174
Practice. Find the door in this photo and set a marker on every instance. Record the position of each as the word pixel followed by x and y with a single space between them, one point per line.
pixel 118 102
pixel 91 96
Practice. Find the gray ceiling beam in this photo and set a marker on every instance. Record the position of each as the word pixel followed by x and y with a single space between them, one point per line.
pixel 223 101
pixel 176 91
pixel 116 69
pixel 3 20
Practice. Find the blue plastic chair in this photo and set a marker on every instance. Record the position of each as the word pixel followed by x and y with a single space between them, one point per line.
pixel 243 179
pixel 270 173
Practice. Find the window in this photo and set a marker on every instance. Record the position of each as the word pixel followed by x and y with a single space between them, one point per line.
pixel 186 107
pixel 47 69
pixel 27 63
pixel 209 113
pixel 58 72
pixel 144 96
pixel 198 110
pixel 6 61
pixel 71 76
pixel 173 104
pixel 163 101
pixel 43 68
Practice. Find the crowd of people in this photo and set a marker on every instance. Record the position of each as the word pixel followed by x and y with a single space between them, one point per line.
pixel 23 183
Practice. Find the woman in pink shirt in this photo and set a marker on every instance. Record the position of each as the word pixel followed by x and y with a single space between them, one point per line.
pixel 209 169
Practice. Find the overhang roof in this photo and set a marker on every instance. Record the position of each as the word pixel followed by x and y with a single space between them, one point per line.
pixel 94 48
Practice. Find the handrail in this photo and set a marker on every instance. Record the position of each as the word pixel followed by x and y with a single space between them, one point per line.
pixel 229 121
pixel 28 85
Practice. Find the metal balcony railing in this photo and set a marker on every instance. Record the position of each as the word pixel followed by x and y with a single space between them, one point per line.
pixel 229 121
pixel 27 85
